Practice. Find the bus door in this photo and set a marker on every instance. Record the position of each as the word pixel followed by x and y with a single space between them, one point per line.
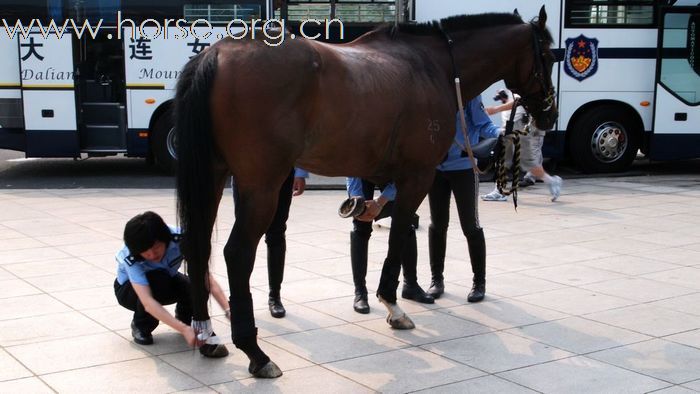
pixel 11 118
pixel 101 93
pixel 48 95
pixel 677 107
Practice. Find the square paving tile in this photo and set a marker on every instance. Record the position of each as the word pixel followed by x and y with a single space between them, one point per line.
pixel 30 305
pixel 582 375
pixel 304 380
pixel 578 335
pixel 145 374
pixel 504 313
pixel 404 370
pixel 46 328
pixel 11 369
pixel 27 385
pixel 336 343
pixel 638 289
pixel 690 338
pixel 496 352
pixel 77 352
pixel 574 301
pixel 489 384
pixel 658 358
pixel 648 319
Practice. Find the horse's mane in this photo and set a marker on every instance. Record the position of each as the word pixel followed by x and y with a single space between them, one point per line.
pixel 458 23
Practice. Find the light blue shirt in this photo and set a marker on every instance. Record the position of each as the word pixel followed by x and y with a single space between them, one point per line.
pixel 478 125
pixel 300 173
pixel 133 270
pixel 354 188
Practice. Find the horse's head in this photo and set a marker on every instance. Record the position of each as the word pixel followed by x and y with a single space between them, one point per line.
pixel 535 82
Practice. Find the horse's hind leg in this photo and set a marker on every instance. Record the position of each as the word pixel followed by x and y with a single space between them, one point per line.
pixel 410 193
pixel 254 211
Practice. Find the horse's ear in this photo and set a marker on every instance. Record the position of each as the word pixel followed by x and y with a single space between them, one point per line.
pixel 542 20
pixel 515 12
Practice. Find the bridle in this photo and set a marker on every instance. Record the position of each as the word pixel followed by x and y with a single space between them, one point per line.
pixel 540 73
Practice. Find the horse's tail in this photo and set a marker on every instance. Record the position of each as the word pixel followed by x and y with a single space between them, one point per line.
pixel 195 171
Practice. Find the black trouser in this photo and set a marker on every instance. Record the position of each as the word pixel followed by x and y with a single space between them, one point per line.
pixel 464 184
pixel 165 289
pixel 275 235
pixel 359 245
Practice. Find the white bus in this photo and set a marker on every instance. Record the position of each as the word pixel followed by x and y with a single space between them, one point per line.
pixel 628 79
pixel 104 93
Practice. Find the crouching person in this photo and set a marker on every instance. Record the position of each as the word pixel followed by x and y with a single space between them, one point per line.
pixel 148 278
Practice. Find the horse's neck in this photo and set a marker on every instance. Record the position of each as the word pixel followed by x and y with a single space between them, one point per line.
pixel 486 56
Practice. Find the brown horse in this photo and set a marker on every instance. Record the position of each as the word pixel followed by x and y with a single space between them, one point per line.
pixel 381 107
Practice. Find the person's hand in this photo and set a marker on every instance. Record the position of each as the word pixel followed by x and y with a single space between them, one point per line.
pixel 189 335
pixel 299 186
pixel 372 209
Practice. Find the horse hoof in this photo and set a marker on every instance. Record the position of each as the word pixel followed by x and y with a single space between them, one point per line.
pixel 402 323
pixel 268 371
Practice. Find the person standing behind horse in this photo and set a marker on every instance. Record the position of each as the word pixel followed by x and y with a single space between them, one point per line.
pixel 359 245
pixel 456 176
pixel 275 237
pixel 148 277
pixel 531 152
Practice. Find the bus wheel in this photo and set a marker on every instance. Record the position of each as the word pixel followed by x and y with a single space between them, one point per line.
pixel 164 143
pixel 604 139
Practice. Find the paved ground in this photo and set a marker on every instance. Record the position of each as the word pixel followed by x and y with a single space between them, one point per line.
pixel 599 292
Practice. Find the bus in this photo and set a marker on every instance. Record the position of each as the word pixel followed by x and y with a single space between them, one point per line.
pixel 108 91
pixel 628 79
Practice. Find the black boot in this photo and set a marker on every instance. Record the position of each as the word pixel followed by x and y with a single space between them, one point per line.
pixel 477 293
pixel 415 292
pixel 358 260
pixel 277 310
pixel 276 251
pixel 477 256
pixel 360 305
pixel 437 243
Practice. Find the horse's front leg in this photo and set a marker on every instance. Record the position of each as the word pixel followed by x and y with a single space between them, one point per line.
pixel 254 211
pixel 411 191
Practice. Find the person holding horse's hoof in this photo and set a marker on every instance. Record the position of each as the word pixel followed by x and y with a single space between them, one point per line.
pixel 359 244
pixel 148 277
pixel 455 175
pixel 275 237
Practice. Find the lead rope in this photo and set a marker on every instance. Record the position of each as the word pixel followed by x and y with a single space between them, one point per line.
pixel 514 135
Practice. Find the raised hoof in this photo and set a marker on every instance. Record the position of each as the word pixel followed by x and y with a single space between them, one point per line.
pixel 268 371
pixel 402 323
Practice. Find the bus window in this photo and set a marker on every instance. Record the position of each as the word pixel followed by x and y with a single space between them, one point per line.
pixel 25 10
pixel 677 72
pixel 611 13
pixel 223 13
pixel 349 11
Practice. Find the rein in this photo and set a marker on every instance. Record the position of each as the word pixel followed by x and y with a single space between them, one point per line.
pixel 460 105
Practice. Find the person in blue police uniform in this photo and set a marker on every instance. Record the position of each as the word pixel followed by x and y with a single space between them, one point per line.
pixel 359 244
pixel 275 237
pixel 456 176
pixel 148 277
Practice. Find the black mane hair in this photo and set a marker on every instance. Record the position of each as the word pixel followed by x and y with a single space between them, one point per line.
pixel 454 23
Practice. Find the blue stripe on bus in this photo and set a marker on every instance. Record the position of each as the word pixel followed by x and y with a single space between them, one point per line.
pixel 619 53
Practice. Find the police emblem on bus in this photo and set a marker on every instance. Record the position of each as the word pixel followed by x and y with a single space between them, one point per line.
pixel 581 58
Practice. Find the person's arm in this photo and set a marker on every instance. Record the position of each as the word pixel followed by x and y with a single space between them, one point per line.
pixel 499 108
pixel 155 309
pixel 300 176
pixel 354 186
pixel 481 121
pixel 218 293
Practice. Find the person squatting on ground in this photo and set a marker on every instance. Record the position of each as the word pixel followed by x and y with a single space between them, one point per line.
pixel 531 149
pixel 456 176
pixel 275 237
pixel 359 245
pixel 148 278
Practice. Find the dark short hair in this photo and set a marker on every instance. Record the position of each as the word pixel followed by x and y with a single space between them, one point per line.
pixel 142 231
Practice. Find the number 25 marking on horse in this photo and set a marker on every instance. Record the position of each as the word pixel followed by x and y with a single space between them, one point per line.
pixel 434 128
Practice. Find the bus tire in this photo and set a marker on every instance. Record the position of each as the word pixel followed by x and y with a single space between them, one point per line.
pixel 163 143
pixel 604 139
